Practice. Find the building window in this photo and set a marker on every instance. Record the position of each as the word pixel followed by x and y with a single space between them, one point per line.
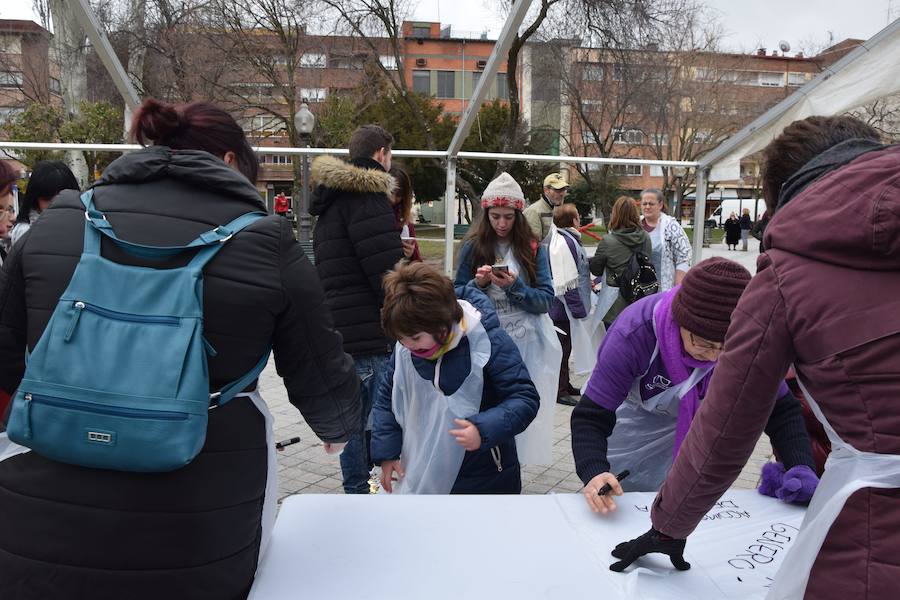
pixel 253 92
pixel 11 79
pixel 628 170
pixel 262 124
pixel 55 87
pixel 771 79
pixel 656 171
pixel 314 94
pixel 10 44
pixel 9 113
pixel 314 61
pixel 476 77
pixel 592 72
pixel 587 137
pixel 446 84
pixel 421 32
pixel 622 135
pixel 797 79
pixel 659 139
pixel 421 82
pixel 502 88
pixel 277 159
pixel 388 61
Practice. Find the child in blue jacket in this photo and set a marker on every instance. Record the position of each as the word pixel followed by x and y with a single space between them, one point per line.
pixel 455 394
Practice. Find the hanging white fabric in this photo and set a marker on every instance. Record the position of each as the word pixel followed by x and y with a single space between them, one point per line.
pixel 430 456
pixel 562 263
pixel 584 348
pixel 270 500
pixel 846 471
pixel 535 337
pixel 8 448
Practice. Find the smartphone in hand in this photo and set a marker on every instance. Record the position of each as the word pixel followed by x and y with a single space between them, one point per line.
pixel 498 269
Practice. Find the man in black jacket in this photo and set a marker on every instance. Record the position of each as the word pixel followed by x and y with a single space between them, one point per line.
pixel 356 241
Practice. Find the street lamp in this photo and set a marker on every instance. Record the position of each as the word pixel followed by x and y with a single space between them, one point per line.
pixel 304 122
pixel 679 173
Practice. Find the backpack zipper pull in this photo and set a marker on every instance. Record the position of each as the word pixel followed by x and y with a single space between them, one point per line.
pixel 28 415
pixel 79 308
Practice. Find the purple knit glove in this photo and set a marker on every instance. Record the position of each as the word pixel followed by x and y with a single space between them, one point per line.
pixel 772 476
pixel 798 485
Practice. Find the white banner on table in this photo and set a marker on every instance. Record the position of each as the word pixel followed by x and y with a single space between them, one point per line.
pixel 521 547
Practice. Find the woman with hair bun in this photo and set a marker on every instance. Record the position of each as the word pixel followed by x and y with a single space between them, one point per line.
pixel 196 532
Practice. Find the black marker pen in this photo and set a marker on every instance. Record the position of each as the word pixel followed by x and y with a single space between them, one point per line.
pixel 608 488
pixel 281 445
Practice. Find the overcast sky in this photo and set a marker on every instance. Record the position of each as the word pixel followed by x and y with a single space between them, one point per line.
pixel 748 24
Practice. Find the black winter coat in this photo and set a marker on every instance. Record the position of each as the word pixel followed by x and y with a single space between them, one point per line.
pixel 355 242
pixel 72 532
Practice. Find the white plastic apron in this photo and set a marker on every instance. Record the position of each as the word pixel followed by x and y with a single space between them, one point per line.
pixel 535 337
pixel 644 436
pixel 606 297
pixel 430 456
pixel 584 350
pixel 846 471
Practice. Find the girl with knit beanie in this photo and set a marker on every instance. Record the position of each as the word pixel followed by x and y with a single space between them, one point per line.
pixel 502 258
pixel 652 372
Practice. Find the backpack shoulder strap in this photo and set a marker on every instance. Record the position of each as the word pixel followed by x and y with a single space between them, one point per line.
pixel 97 222
pixel 229 391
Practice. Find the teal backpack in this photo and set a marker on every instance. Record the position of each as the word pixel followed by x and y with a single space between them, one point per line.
pixel 119 378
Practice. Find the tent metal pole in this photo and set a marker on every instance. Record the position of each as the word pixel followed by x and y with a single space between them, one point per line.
pixel 92 29
pixel 699 214
pixel 498 54
pixel 449 215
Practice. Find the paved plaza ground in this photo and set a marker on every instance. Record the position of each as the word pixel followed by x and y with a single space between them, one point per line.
pixel 304 468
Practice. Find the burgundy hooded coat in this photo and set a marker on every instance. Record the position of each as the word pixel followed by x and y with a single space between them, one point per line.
pixel 826 298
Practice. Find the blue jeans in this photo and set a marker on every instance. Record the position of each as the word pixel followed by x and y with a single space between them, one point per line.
pixel 355 460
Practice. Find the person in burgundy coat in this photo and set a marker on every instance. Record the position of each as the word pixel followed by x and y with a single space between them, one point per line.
pixel 825 299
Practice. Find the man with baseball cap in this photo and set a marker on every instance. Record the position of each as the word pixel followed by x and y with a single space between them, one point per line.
pixel 539 214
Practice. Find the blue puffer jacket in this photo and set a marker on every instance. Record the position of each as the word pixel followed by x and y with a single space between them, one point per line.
pixel 509 403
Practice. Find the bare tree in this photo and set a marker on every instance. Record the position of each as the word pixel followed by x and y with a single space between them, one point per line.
pixel 882 114
pixel 378 23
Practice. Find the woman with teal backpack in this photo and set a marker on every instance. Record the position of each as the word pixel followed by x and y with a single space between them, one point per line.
pixel 114 489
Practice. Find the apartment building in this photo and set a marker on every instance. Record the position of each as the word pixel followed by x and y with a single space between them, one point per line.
pixel 648 103
pixel 447 64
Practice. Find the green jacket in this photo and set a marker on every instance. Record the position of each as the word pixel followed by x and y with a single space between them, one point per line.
pixel 539 216
pixel 612 256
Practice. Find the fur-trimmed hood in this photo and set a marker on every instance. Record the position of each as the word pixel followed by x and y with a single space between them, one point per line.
pixel 332 176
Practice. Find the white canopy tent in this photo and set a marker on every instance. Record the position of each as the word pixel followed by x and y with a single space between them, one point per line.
pixel 869 72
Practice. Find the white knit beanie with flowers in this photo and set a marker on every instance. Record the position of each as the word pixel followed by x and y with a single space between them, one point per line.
pixel 503 192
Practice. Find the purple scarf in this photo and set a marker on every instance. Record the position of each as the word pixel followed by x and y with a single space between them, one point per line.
pixel 679 364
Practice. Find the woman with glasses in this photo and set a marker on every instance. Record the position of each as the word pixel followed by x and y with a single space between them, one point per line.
pixel 652 372
pixel 8 178
pixel 671 246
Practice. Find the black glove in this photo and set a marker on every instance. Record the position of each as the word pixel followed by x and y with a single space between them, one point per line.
pixel 650 542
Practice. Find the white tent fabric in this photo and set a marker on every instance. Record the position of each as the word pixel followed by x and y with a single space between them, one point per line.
pixel 870 72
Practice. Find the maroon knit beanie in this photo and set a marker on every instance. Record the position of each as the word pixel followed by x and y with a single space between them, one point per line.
pixel 708 295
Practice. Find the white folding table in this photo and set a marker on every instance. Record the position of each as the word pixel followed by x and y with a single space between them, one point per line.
pixel 335 547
